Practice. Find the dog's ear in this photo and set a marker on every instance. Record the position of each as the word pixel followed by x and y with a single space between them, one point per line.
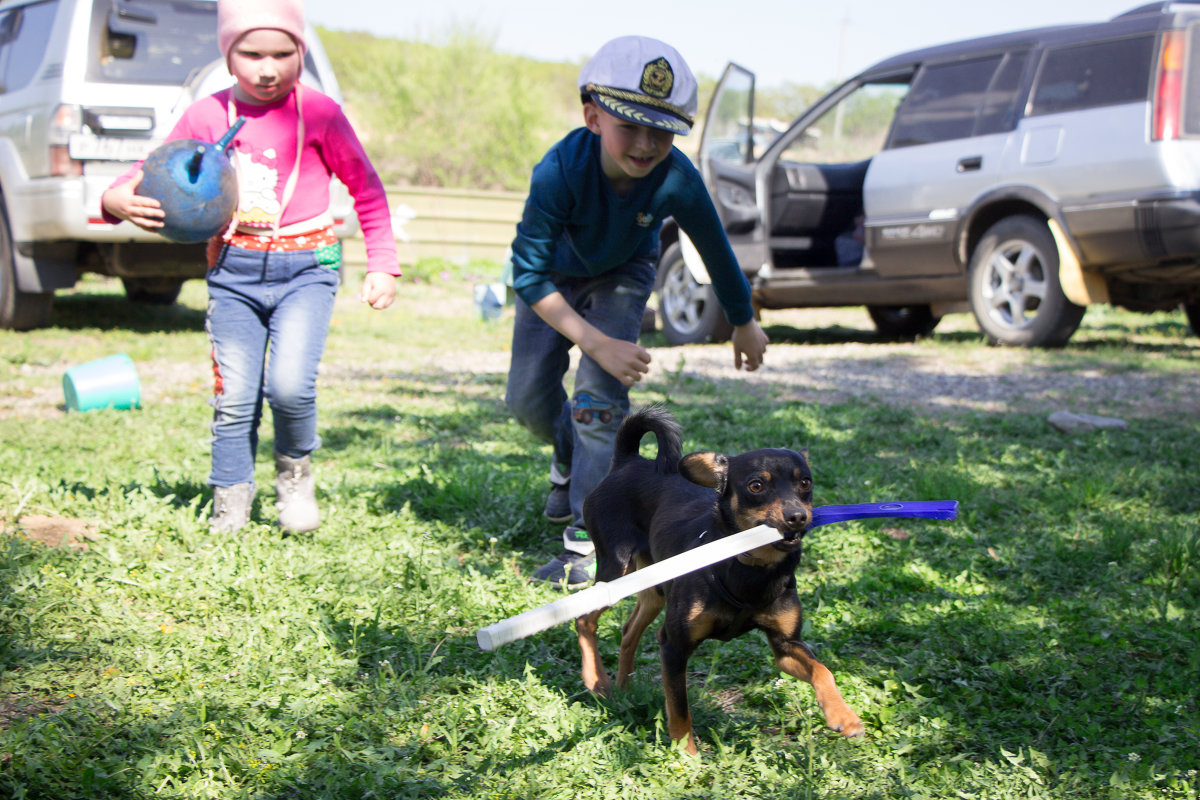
pixel 707 469
pixel 803 451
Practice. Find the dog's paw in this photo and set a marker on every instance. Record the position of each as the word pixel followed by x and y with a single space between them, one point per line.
pixel 602 687
pixel 845 722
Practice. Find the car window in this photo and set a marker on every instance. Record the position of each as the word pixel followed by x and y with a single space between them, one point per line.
pixel 944 102
pixel 1093 75
pixel 1191 86
pixel 727 136
pixel 1000 111
pixel 852 130
pixel 151 41
pixel 24 33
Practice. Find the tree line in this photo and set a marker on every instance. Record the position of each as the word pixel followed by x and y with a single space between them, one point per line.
pixel 459 114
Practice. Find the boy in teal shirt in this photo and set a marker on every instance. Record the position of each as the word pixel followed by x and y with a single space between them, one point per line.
pixel 583 269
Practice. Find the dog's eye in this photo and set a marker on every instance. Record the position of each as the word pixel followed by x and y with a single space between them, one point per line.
pixel 806 483
pixel 757 486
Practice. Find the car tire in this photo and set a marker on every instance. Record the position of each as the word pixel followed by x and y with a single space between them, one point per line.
pixel 19 311
pixel 153 291
pixel 1014 290
pixel 903 322
pixel 688 311
pixel 1192 312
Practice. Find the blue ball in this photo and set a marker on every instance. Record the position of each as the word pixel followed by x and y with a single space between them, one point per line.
pixel 196 185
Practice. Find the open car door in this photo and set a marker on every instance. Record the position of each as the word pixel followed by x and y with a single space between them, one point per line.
pixel 727 153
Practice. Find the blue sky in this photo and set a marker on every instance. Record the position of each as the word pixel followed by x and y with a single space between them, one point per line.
pixel 801 41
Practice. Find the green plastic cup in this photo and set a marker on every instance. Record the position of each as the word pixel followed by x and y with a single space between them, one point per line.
pixel 110 382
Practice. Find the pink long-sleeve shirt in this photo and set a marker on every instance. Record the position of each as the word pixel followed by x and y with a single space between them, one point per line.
pixel 268 142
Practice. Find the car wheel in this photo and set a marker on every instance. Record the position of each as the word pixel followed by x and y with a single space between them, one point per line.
pixel 903 322
pixel 1013 286
pixel 19 311
pixel 154 291
pixel 1192 311
pixel 688 311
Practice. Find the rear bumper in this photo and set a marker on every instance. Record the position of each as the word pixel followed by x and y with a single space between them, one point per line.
pixel 1142 241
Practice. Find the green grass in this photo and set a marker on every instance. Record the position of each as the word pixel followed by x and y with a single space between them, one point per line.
pixel 1042 645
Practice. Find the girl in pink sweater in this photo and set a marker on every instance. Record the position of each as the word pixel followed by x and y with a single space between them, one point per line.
pixel 273 275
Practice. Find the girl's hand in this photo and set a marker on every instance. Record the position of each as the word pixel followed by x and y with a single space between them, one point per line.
pixel 378 290
pixel 123 203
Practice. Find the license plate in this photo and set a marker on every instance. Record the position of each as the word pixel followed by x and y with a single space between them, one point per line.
pixel 84 146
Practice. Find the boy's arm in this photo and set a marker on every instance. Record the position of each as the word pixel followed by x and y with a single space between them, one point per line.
pixel 699 220
pixel 625 361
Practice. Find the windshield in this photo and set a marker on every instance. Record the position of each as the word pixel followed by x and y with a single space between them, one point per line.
pixel 151 41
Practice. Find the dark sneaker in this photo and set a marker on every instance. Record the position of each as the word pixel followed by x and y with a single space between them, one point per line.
pixel 558 503
pixel 576 570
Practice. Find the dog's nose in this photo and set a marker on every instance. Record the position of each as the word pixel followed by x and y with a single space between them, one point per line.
pixel 796 518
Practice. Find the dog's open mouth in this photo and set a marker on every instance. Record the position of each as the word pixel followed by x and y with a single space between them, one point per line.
pixel 791 538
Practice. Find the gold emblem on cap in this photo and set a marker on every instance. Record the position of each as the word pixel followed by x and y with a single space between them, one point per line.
pixel 658 78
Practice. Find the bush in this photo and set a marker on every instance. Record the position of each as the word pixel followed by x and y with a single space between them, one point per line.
pixel 456 114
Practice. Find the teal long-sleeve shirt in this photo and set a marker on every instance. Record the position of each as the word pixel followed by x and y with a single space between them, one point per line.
pixel 576 225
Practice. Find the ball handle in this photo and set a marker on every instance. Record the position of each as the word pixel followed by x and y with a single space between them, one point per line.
pixel 224 141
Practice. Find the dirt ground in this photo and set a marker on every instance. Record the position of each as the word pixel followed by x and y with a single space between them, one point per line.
pixel 819 355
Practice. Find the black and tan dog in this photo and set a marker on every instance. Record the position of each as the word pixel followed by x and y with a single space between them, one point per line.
pixel 645 511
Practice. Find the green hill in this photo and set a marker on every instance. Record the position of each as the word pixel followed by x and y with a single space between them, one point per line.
pixel 461 115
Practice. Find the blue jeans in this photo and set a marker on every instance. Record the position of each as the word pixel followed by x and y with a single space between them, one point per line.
pixel 283 302
pixel 581 429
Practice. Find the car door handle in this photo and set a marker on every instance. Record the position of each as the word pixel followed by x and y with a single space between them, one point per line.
pixel 970 164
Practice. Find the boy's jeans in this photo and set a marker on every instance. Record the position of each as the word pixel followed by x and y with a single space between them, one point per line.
pixel 256 299
pixel 583 428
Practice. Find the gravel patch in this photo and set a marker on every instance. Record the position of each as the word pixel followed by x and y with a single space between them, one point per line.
pixel 995 380
pixel 931 378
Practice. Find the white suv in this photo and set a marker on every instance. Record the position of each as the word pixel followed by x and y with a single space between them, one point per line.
pixel 1022 176
pixel 86 87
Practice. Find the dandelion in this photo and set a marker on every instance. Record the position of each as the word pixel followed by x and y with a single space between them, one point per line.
pixel 301 735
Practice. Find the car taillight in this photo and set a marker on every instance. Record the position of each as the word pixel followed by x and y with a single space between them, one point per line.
pixel 66 121
pixel 1168 92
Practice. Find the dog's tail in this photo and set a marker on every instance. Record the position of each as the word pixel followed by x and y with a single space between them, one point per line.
pixel 651 419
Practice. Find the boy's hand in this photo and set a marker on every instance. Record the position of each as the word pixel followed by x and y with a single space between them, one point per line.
pixel 749 344
pixel 378 290
pixel 625 361
pixel 122 202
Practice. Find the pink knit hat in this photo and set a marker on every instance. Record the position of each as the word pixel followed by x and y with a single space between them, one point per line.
pixel 237 17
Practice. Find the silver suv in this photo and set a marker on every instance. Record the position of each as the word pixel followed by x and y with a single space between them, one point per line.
pixel 86 87
pixel 1021 176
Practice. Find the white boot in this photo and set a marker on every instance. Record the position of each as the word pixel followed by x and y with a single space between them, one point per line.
pixel 231 507
pixel 295 494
